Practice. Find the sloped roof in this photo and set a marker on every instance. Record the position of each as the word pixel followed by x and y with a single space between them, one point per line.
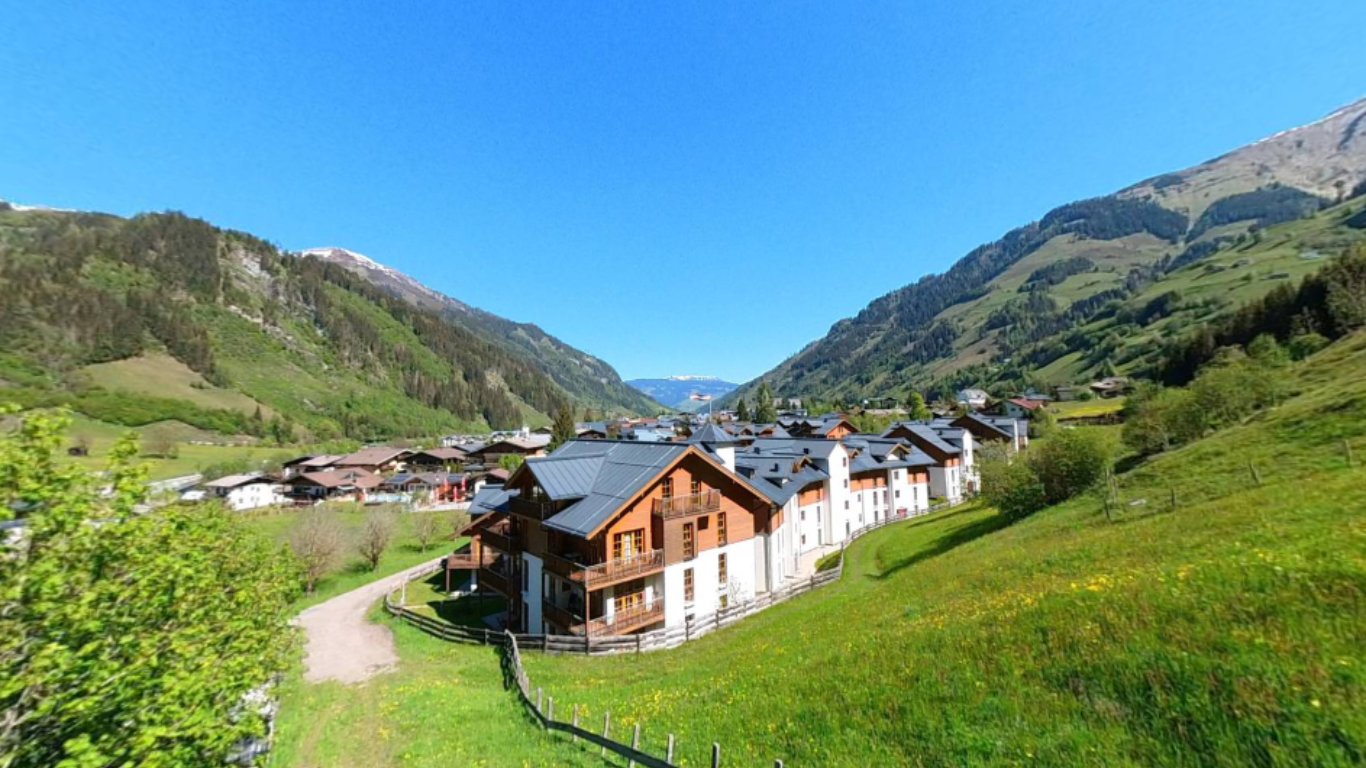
pixel 491 498
pixel 322 460
pixel 623 471
pixel 566 477
pixel 236 481
pixel 442 454
pixel 372 456
pixel 988 424
pixel 711 434
pixel 341 478
pixel 779 477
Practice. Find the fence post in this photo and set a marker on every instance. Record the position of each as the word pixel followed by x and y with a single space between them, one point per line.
pixel 606 729
pixel 637 642
pixel 1256 476
pixel 1173 497
pixel 538 701
pixel 574 734
pixel 687 627
pixel 1347 448
pixel 550 710
pixel 715 755
pixel 669 753
pixel 635 744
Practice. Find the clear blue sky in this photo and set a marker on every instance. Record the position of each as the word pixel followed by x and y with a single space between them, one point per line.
pixel 675 187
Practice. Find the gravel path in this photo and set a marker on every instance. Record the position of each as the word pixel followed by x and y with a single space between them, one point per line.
pixel 340 643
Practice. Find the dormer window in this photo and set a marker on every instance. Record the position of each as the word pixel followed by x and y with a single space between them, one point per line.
pixel 666 488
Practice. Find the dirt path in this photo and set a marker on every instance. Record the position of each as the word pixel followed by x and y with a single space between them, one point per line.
pixel 340 644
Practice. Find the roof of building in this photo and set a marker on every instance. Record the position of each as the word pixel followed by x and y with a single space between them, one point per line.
pixel 373 456
pixel 711 434
pixel 322 460
pixel 603 474
pixel 528 443
pixel 1027 404
pixel 925 432
pixel 441 454
pixel 989 424
pixel 237 481
pixel 341 478
pixel 493 497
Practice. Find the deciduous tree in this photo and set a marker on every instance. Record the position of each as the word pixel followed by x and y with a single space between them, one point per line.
pixel 376 533
pixel 317 540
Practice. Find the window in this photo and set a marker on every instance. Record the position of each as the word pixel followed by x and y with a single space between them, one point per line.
pixel 725 601
pixel 896 475
pixel 803 515
pixel 687 585
pixel 526 583
pixel 628 543
pixel 703 522
pixel 846 461
pixel 803 539
pixel 695 488
pixel 721 529
pixel 846 482
pixel 721 576
pixel 846 504
pixel 898 494
pixel 666 488
pixel 689 542
pixel 629 596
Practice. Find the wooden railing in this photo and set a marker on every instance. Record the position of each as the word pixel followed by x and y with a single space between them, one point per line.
pixel 613 571
pixel 626 620
pixel 562 617
pixel 497 536
pixel 535 510
pixel 685 506
pixel 497 579
pixel 466 561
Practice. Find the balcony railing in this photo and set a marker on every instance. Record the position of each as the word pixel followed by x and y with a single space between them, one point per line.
pixel 562 617
pixel 604 574
pixel 535 510
pixel 497 535
pixel 467 561
pixel 685 506
pixel 498 578
pixel 628 620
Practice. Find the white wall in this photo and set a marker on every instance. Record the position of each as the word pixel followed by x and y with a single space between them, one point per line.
pixel 946 482
pixel 811 521
pixel 254 496
pixel 707 590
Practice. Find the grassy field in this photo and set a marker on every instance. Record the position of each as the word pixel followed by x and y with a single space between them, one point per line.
pixel 1081 409
pixel 404 551
pixel 1223 632
pixel 164 376
pixel 190 457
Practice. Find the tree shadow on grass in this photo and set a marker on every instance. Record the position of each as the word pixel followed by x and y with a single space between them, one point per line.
pixel 949 541
pixel 468 611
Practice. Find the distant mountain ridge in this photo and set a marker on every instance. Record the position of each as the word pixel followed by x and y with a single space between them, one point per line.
pixel 591 381
pixel 1004 311
pixel 674 391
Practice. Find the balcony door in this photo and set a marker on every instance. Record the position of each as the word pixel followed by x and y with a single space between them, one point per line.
pixel 689 541
pixel 629 597
pixel 628 544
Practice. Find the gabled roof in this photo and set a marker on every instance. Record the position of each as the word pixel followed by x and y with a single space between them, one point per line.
pixel 622 471
pixel 1027 404
pixel 237 481
pixel 779 477
pixel 340 478
pixel 984 426
pixel 440 454
pixel 530 443
pixel 712 435
pixel 566 477
pixel 322 460
pixel 926 434
pixel 372 456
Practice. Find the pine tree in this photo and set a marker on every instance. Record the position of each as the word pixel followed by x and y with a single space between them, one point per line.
pixel 764 410
pixel 742 410
pixel 562 429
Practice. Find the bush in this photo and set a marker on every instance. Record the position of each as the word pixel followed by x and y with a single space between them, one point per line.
pixel 1012 487
pixel 1306 344
pixel 1072 461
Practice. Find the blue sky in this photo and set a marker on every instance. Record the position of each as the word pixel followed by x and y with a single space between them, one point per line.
pixel 677 188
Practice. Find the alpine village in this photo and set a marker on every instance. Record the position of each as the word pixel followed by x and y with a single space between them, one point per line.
pixel 1091 496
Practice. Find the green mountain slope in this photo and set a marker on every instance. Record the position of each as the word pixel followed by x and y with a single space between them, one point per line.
pixel 589 380
pixel 303 339
pixel 1009 312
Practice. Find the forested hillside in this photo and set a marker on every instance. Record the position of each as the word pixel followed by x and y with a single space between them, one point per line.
pixel 322 351
pixel 1100 285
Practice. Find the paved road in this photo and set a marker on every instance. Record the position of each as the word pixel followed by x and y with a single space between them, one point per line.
pixel 340 644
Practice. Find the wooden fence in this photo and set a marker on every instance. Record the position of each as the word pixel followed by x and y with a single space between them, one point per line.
pixel 542 708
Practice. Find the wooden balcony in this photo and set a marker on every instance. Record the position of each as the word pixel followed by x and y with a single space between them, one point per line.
pixel 608 573
pixel 495 578
pixel 532 510
pixel 562 617
pixel 628 620
pixel 466 561
pixel 702 503
pixel 498 535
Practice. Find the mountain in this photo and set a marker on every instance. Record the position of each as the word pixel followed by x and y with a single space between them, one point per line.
pixel 590 381
pixel 674 390
pixel 165 317
pixel 1100 284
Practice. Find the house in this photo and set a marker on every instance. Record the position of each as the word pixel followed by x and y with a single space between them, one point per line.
pixel 1066 393
pixel 1112 386
pixel 1020 407
pixel 312 462
pixel 526 447
pixel 246 491
pixel 592 430
pixel 608 537
pixel 437 487
pixel 337 484
pixel 987 429
pixel 947 480
pixel 380 459
pixel 974 399
pixel 831 426
pixel 436 460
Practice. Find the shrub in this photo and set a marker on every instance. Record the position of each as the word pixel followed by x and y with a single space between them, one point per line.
pixel 1072 461
pixel 1012 487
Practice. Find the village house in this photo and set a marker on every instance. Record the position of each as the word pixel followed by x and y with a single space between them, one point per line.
pixel 1020 407
pixel 525 447
pixel 1112 386
pixel 246 491
pixel 309 463
pixel 974 399
pixel 436 460
pixel 331 485
pixel 378 459
pixel 947 478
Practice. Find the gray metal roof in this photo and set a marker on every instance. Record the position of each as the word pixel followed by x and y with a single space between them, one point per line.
pixel 566 476
pixel 623 470
pixel 774 476
pixel 491 498
pixel 711 434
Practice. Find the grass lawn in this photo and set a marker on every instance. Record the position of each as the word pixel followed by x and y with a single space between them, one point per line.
pixel 190 457
pixel 1224 632
pixel 404 551
pixel 1079 409
pixel 163 376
